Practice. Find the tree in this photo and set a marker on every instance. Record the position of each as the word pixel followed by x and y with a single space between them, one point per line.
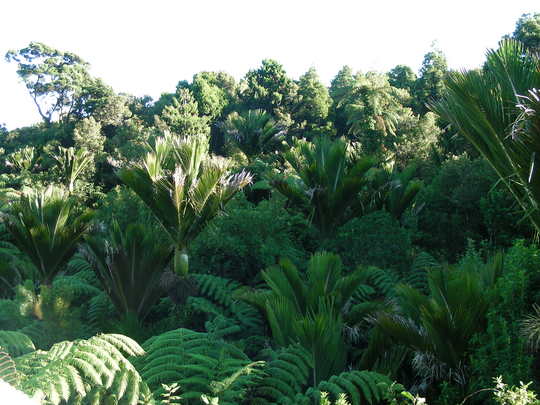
pixel 313 102
pixel 59 82
pixel 72 164
pixel 269 88
pixel 214 92
pixel 129 263
pixel 306 309
pixel 182 115
pixel 497 109
pixel 184 187
pixel 254 132
pixel 339 91
pixel 415 137
pixel 329 176
pixel 374 109
pixel 402 77
pixel 429 86
pixel 46 225
pixel 528 31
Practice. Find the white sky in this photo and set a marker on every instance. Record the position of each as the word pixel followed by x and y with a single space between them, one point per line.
pixel 146 47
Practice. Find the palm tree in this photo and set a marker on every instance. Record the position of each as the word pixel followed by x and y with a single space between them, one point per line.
pixel 253 132
pixel 24 159
pixel 72 163
pixel 129 263
pixel 438 326
pixel 307 309
pixel 393 190
pixel 184 187
pixel 330 175
pixel 498 110
pixel 46 225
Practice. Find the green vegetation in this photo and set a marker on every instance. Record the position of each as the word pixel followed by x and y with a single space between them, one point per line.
pixel 275 241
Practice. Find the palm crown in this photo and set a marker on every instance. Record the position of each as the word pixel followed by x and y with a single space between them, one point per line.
pixel 47 227
pixel 330 175
pixel 184 187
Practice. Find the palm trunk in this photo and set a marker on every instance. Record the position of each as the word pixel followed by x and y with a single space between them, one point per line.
pixel 181 262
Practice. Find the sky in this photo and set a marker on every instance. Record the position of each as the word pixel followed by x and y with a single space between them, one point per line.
pixel 146 47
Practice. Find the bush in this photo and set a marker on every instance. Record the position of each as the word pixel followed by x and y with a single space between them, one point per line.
pixel 375 239
pixel 501 348
pixel 461 203
pixel 248 238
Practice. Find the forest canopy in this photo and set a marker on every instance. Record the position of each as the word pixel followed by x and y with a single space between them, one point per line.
pixel 273 240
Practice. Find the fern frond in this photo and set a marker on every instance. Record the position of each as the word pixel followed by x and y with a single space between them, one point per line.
pixel 362 387
pixel 286 374
pixel 100 309
pixel 196 361
pixel 86 370
pixel 417 277
pixel 8 371
pixel 15 343
pixel 219 299
pixel 383 281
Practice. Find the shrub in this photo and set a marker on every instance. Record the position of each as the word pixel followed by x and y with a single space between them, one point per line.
pixel 249 238
pixel 375 239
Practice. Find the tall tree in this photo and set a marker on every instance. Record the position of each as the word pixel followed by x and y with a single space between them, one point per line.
pixel 528 31
pixel 374 109
pixel 214 92
pixel 339 91
pixel 184 187
pixel 430 84
pixel 269 88
pixel 59 82
pixel 313 104
pixel 182 115
pixel 402 77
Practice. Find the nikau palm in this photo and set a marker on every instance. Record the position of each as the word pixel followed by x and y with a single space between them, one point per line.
pixel 184 187
pixel 72 163
pixel 498 110
pixel 253 131
pixel 438 326
pixel 129 264
pixel 307 309
pixel 47 227
pixel 331 175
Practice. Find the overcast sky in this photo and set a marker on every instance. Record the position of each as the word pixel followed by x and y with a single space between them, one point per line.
pixel 146 47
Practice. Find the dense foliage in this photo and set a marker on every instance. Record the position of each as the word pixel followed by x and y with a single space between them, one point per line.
pixel 274 241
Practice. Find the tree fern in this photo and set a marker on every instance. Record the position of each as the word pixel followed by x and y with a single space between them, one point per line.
pixel 286 374
pixel 218 298
pixel 87 371
pixel 15 343
pixel 383 281
pixel 100 308
pixel 361 387
pixel 417 276
pixel 197 362
pixel 8 371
